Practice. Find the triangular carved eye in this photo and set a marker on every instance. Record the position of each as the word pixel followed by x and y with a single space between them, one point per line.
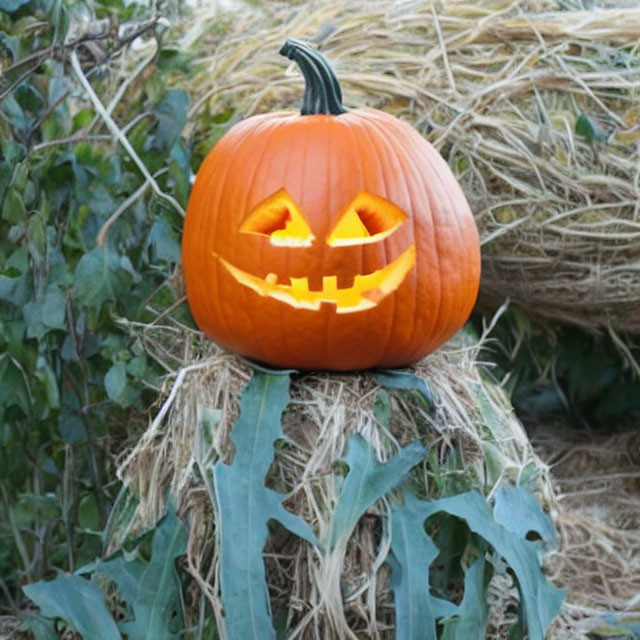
pixel 367 219
pixel 279 218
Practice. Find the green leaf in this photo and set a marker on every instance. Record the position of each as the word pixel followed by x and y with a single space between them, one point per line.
pixel 47 377
pixel 7 49
pixel 618 626
pixel 41 628
pixel 412 553
pixel 152 589
pixel 115 382
pixel 517 510
pixel 11 5
pixel 399 379
pixel 539 599
pixel 367 481
pixel 588 127
pixel 171 113
pixel 471 623
pixel 13 209
pixel 382 408
pixel 99 277
pixel 71 427
pixel 161 243
pixel 13 386
pixel 245 506
pixel 78 602
pixel 15 290
pixel 46 314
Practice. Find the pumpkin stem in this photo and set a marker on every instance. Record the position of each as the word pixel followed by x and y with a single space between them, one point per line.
pixel 322 93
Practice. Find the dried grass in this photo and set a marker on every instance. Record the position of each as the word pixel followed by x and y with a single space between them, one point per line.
pixel 472 420
pixel 498 87
pixel 597 480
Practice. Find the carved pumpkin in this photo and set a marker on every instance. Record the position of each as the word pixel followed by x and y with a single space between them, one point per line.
pixel 329 239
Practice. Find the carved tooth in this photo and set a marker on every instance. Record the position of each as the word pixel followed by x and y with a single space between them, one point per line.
pixel 271 279
pixel 329 284
pixel 300 284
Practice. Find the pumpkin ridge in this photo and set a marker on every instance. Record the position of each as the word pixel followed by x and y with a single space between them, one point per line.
pixel 336 352
pixel 331 159
pixel 441 330
pixel 271 126
pixel 278 128
pixel 435 327
pixel 390 325
pixel 400 155
pixel 199 237
pixel 446 180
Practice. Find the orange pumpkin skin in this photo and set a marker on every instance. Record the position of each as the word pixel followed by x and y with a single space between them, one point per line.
pixel 323 162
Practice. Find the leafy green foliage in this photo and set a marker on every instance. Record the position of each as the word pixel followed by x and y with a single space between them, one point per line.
pixel 150 588
pixel 517 510
pixel 412 553
pixel 367 481
pixel 418 609
pixel 171 115
pixel 73 381
pixel 473 612
pixel 11 5
pixel 77 601
pixel 400 379
pixel 245 506
pixel 566 373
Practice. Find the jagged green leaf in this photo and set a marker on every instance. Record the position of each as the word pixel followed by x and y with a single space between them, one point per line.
pixel 539 599
pixel 412 553
pixel 245 507
pixel 616 626
pixel 100 276
pixel 78 602
pixel 471 623
pixel 40 627
pixel 367 481
pixel 400 379
pixel 171 113
pixel 152 589
pixel 46 313
pixel 11 5
pixel 517 510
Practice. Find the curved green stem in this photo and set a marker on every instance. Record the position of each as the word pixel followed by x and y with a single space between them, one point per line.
pixel 322 93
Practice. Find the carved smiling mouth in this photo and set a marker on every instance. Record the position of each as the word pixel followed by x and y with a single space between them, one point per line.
pixel 366 291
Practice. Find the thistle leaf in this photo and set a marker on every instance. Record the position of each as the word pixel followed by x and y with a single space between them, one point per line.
pixel 245 507
pixel 152 589
pixel 367 481
pixel 78 602
pixel 517 510
pixel 540 601
pixel 412 553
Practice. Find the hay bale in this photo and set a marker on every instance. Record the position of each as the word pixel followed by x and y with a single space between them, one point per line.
pixel 535 109
pixel 597 479
pixel 476 439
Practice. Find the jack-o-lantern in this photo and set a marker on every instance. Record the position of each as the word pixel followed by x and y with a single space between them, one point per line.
pixel 330 239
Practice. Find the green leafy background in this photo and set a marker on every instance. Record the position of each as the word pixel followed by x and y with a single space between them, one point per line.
pixel 75 383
